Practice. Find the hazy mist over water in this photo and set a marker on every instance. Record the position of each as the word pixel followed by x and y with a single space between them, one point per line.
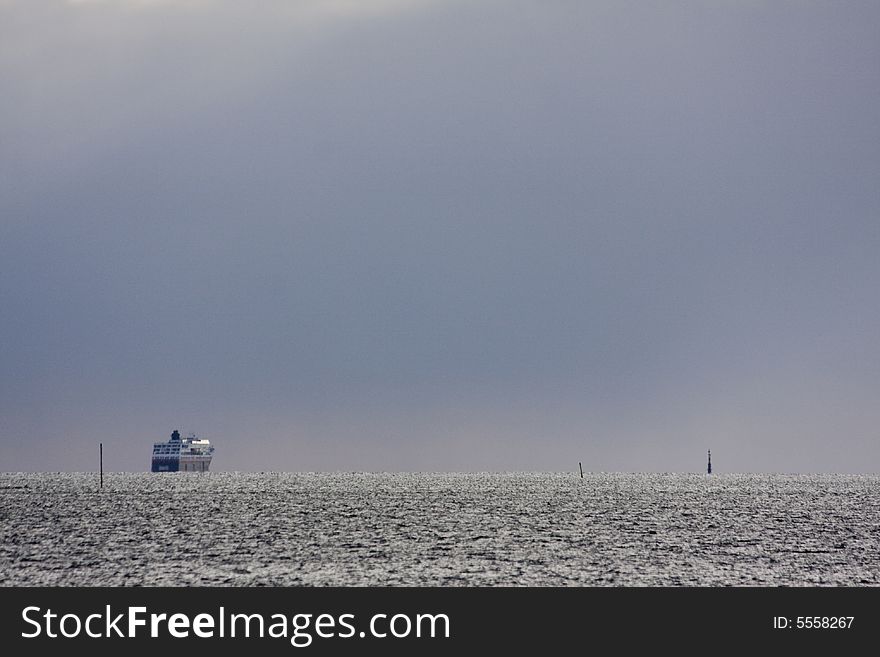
pixel 441 235
pixel 425 529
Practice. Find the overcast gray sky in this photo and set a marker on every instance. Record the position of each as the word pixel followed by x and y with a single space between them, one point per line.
pixel 451 235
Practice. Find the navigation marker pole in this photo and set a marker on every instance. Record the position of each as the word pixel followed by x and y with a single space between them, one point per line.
pixel 101 458
pixel 709 467
pixel 582 469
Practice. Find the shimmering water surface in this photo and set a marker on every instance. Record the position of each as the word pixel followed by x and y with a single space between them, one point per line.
pixel 535 529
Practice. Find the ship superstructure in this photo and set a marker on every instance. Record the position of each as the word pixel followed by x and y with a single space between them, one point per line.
pixel 189 454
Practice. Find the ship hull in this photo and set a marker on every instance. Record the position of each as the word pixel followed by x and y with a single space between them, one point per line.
pixel 166 465
pixel 181 464
pixel 194 464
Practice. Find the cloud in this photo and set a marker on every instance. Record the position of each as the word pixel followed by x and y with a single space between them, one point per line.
pixel 412 232
pixel 299 9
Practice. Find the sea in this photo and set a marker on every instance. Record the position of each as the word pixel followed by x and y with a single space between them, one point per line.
pixel 439 529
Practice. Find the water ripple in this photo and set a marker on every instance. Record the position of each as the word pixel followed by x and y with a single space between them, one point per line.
pixel 485 529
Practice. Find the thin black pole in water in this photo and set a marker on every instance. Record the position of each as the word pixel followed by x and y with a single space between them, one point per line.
pixel 709 467
pixel 582 469
pixel 101 457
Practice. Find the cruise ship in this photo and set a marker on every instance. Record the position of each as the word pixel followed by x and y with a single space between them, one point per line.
pixel 188 454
